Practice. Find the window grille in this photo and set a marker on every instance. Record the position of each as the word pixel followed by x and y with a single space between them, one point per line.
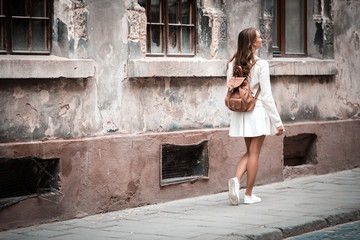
pixel 27 177
pixel 182 163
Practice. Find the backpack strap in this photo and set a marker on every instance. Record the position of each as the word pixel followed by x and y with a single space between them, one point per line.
pixel 241 71
pixel 257 93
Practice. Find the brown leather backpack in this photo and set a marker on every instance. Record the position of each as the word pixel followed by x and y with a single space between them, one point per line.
pixel 239 97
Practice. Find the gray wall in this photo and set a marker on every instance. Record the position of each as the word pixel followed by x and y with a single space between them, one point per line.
pixel 112 102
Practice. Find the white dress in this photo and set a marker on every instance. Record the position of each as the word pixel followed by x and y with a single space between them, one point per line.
pixel 264 119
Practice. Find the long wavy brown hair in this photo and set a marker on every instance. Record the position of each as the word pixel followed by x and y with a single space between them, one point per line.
pixel 244 56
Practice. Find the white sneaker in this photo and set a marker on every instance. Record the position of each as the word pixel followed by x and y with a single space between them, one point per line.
pixel 234 191
pixel 251 199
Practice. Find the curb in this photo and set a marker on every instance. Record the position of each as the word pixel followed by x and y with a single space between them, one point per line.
pixel 276 231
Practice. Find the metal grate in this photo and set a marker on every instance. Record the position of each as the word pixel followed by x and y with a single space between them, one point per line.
pixel 182 163
pixel 27 177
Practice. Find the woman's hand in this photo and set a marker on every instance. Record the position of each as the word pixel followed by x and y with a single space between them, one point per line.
pixel 280 130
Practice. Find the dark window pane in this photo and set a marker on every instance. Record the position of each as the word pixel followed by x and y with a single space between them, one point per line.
pixel 148 37
pixel 38 8
pixel 155 11
pixel 39 35
pixel 173 11
pixel 294 32
pixel 18 8
pixel 156 46
pixel 142 3
pixel 2 34
pixel 275 25
pixel 173 44
pixel 1 7
pixel 185 8
pixel 186 40
pixel 20 34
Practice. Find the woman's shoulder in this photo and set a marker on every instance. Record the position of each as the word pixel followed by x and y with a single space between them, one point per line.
pixel 262 62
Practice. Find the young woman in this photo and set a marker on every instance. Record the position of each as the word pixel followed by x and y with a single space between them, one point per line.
pixel 255 125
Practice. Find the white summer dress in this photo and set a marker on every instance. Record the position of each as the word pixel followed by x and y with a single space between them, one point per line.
pixel 264 119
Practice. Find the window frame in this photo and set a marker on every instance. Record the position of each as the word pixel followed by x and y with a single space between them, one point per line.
pixel 7 34
pixel 279 48
pixel 165 26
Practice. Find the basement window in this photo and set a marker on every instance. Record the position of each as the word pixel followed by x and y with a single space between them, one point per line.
pixel 23 178
pixel 300 150
pixel 183 163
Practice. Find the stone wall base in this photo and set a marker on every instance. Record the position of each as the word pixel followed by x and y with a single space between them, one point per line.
pixel 115 172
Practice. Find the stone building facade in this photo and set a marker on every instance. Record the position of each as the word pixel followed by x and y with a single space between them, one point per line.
pixel 102 125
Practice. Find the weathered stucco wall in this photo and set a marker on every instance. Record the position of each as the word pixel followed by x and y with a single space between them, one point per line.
pixel 347 53
pixel 311 98
pixel 46 108
pixel 111 102
pixel 168 104
pixel 240 15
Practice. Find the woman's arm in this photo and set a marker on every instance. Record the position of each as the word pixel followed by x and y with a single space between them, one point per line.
pixel 229 72
pixel 266 94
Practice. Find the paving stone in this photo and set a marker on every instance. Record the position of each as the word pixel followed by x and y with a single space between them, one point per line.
pixel 11 236
pixel 81 236
pixel 260 233
pixel 42 233
pixel 211 237
pixel 57 227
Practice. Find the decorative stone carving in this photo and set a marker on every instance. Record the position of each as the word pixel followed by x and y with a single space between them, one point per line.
pixel 217 23
pixel 137 26
pixel 265 32
pixel 323 17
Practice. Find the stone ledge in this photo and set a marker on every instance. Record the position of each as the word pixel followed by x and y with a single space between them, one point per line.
pixel 26 66
pixel 198 67
pixel 302 66
pixel 176 67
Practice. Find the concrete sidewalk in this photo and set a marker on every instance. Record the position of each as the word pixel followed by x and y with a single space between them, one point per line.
pixel 289 208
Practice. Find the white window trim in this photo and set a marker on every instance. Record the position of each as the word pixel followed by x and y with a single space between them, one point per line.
pixel 36 66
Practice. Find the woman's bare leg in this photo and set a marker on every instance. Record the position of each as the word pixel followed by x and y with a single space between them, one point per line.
pixel 253 162
pixel 241 168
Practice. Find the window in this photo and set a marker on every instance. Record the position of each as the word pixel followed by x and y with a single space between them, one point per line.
pixel 170 27
pixel 25 26
pixel 183 163
pixel 289 26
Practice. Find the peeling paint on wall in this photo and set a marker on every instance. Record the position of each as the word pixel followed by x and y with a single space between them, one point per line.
pixel 109 31
pixel 214 20
pixel 355 40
